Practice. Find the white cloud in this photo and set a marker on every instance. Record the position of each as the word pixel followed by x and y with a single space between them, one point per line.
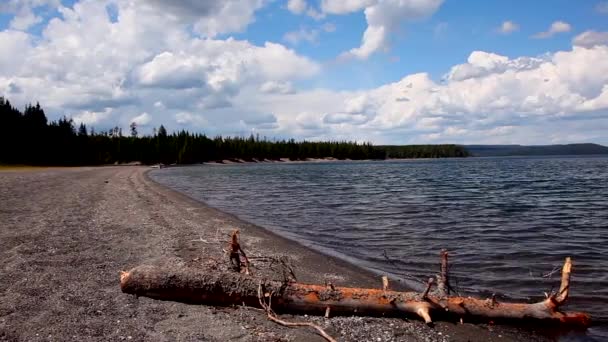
pixel 259 119
pixel 383 17
pixel 555 28
pixel 345 118
pixel 602 7
pixel 142 119
pixel 106 71
pixel 297 6
pixel 23 11
pixel 190 120
pixel 13 43
pixel 508 27
pixel 315 14
pixel 273 87
pixel 210 18
pixel 86 62
pixel 591 38
pixel 345 6
pixel 168 70
pixel 302 7
pixel 489 99
pixel 24 20
pixel 308 35
pixel 480 64
pixel 15 6
pixel 90 118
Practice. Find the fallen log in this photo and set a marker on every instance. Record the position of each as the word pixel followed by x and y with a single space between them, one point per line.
pixel 224 289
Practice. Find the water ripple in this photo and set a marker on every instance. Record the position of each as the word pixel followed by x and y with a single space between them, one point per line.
pixel 508 222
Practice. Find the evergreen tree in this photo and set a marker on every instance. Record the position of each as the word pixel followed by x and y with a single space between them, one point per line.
pixel 82 130
pixel 133 128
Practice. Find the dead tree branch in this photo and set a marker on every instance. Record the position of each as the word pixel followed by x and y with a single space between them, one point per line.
pixel 272 316
pixel 443 287
pixel 235 252
pixel 197 286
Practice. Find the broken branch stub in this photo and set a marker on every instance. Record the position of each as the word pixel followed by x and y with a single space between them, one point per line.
pixel 442 278
pixel 197 286
pixel 564 288
pixel 235 251
pixel 273 317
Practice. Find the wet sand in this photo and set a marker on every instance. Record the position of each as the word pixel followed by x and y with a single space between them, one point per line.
pixel 66 233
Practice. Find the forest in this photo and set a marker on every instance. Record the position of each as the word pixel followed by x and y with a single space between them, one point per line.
pixel 424 151
pixel 28 138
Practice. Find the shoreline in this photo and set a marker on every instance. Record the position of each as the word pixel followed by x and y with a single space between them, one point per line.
pixel 354 274
pixel 68 233
pixel 364 277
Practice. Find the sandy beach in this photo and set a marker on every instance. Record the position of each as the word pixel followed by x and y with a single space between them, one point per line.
pixel 65 234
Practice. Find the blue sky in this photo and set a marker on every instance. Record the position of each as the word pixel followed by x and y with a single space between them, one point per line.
pixel 435 44
pixel 385 71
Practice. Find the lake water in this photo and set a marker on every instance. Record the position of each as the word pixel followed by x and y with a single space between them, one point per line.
pixel 507 222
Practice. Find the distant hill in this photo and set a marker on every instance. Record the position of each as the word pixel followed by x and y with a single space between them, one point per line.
pixel 539 150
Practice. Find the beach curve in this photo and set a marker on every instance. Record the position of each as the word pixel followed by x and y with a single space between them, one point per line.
pixel 66 234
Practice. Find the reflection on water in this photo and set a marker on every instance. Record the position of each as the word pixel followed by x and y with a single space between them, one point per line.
pixel 508 222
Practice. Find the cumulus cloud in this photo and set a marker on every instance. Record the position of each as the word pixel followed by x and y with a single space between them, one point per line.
pixel 145 64
pixel 210 18
pixel 564 84
pixel 142 119
pixel 297 6
pixel 345 118
pixel 24 20
pixel 15 6
pixel 260 119
pixel 555 28
pixel 508 27
pixel 91 118
pixel 345 6
pixel 302 7
pixel 383 17
pixel 23 11
pixel 87 61
pixel 489 99
pixel 591 38
pixel 13 43
pixel 168 70
pixel 480 64
pixel 190 120
pixel 273 87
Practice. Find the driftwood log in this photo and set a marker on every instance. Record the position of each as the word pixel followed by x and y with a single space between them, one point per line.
pixel 224 289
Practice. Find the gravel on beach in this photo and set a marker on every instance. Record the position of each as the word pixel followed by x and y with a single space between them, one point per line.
pixel 66 233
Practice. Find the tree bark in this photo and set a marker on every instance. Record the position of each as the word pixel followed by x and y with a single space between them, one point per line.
pixel 224 289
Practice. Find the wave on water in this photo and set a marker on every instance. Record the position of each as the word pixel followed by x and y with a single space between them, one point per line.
pixel 507 222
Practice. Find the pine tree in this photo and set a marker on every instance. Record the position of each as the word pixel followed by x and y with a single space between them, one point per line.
pixel 133 128
pixel 82 130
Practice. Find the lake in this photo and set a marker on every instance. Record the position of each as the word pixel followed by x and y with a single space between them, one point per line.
pixel 508 222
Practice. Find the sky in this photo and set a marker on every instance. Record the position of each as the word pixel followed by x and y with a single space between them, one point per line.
pixel 380 71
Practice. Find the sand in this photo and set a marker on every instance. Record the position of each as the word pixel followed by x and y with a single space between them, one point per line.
pixel 66 233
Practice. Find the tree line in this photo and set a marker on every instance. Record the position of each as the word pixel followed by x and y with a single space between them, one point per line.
pixel 425 151
pixel 29 138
